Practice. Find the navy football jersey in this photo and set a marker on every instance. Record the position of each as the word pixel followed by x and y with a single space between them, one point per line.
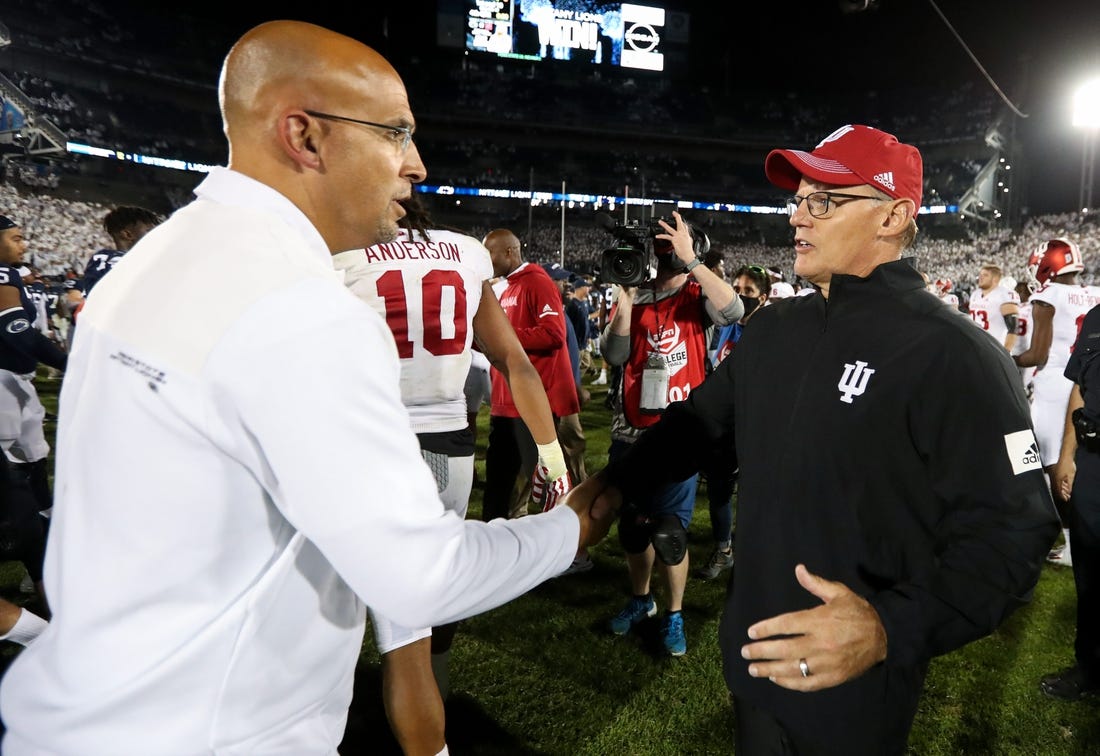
pixel 98 266
pixel 54 293
pixel 11 358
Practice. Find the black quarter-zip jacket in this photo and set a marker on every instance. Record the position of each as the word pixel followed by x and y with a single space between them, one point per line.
pixel 885 442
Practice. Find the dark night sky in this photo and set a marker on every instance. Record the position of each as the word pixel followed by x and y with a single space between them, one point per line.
pixel 1036 51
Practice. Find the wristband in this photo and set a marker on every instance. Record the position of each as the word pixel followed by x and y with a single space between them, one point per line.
pixel 692 265
pixel 553 458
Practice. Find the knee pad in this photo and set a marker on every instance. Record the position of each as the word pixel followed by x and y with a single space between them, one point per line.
pixel 634 530
pixel 670 540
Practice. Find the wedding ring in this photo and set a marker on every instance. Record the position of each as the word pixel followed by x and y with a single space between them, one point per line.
pixel 804 668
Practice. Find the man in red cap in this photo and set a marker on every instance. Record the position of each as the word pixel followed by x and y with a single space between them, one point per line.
pixel 891 505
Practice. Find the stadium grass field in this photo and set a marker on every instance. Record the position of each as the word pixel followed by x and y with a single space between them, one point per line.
pixel 542 675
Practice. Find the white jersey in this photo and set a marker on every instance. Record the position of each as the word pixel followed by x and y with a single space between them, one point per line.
pixel 428 290
pixel 1070 303
pixel 1051 387
pixel 1024 325
pixel 985 310
pixel 951 300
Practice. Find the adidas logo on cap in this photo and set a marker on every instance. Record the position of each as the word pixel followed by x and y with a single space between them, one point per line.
pixel 886 179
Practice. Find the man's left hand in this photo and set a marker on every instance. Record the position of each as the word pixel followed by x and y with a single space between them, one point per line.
pixel 833 643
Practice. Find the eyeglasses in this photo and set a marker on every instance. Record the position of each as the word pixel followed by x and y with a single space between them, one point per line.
pixel 402 135
pixel 759 271
pixel 820 203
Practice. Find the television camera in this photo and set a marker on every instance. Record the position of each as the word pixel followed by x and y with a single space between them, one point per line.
pixel 629 262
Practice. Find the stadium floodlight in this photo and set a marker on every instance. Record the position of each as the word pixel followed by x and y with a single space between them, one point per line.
pixel 1086 115
pixel 1086 105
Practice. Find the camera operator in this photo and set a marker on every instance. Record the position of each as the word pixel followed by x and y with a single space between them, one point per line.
pixel 658 335
pixel 1076 479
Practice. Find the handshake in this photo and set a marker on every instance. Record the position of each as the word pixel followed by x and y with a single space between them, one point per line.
pixel 547 490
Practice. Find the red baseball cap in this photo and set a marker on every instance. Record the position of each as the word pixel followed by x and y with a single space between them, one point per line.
pixel 849 156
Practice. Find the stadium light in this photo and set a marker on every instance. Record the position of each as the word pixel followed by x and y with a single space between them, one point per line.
pixel 1086 105
pixel 1086 115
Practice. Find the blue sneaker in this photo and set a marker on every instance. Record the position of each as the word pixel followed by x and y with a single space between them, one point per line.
pixel 636 611
pixel 672 634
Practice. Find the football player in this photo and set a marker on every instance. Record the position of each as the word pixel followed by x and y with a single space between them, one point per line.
pixel 1058 305
pixel 942 288
pixel 432 287
pixel 994 308
pixel 22 437
pixel 125 225
pixel 1024 327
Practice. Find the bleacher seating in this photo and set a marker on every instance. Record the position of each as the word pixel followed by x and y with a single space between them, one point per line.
pixel 487 124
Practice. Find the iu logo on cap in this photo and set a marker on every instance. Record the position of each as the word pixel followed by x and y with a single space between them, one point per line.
pixel 836 135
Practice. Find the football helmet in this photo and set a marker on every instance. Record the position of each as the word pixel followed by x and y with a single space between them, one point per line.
pixel 1051 259
pixel 943 285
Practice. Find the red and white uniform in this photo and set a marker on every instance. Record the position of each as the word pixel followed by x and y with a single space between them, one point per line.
pixel 952 300
pixel 985 310
pixel 428 291
pixel 1051 387
pixel 533 305
pixel 1024 324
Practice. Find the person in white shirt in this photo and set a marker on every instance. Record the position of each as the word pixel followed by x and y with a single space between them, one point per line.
pixel 1024 327
pixel 995 308
pixel 237 478
pixel 431 284
pixel 1058 305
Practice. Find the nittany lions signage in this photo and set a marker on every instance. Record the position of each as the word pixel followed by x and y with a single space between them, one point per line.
pixel 617 34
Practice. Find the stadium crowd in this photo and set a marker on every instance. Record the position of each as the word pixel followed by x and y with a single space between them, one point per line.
pixel 634 130
pixel 63 233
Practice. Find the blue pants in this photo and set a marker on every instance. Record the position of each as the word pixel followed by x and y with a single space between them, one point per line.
pixel 674 499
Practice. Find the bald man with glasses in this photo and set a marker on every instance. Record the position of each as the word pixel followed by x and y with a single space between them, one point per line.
pixel 246 481
pixel 891 505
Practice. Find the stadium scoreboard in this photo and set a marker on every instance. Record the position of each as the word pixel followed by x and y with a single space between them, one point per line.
pixel 620 35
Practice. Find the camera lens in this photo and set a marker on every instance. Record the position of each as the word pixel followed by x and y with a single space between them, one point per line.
pixel 625 265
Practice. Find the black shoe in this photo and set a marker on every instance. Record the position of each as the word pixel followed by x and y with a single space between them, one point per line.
pixel 719 562
pixel 1068 685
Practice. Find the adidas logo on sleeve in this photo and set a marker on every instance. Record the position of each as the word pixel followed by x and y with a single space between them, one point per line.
pixel 1023 451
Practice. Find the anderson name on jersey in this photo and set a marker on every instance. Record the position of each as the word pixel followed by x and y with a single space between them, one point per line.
pixel 428 290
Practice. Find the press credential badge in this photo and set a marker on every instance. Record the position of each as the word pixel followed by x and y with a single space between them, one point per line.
pixel 654 398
